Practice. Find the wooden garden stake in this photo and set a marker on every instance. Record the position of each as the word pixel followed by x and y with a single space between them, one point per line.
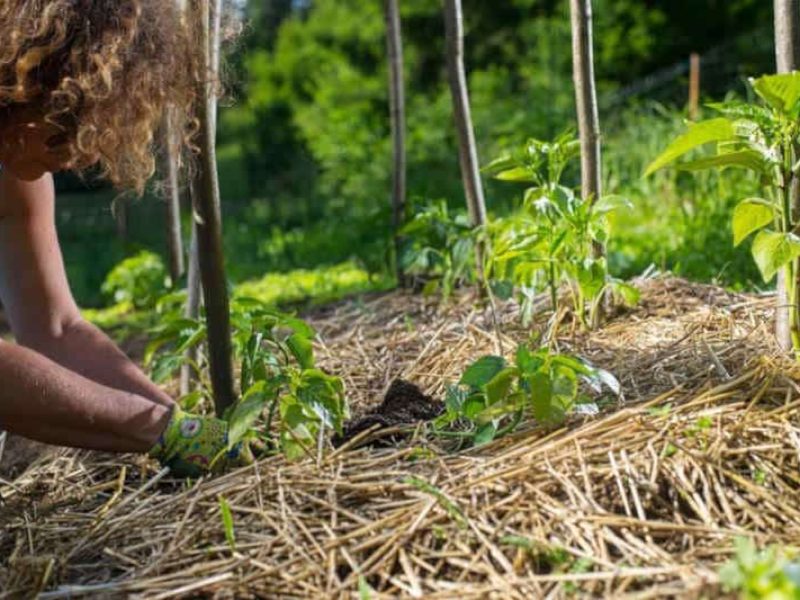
pixel 207 217
pixel 787 55
pixel 694 85
pixel 173 199
pixel 586 101
pixel 397 106
pixel 467 148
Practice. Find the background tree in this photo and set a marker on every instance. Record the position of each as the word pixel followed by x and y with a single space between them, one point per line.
pixel 787 58
pixel 397 109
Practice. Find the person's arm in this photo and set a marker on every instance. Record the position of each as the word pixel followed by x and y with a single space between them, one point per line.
pixel 44 401
pixel 40 307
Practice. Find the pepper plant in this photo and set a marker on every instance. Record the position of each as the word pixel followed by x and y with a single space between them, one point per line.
pixel 440 248
pixel 763 138
pixel 493 396
pixel 550 239
pixel 278 375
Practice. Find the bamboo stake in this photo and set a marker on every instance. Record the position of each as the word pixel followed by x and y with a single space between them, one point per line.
pixel 694 85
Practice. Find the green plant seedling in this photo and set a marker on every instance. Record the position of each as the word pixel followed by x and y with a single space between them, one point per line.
pixel 227 522
pixel 550 239
pixel 439 248
pixel 278 375
pixel 493 396
pixel 769 573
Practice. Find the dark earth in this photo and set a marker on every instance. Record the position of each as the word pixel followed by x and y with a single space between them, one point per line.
pixel 403 405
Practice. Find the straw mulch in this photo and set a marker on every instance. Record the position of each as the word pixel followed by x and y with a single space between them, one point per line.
pixel 643 500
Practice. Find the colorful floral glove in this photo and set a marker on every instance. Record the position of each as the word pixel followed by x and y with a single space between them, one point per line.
pixel 192 446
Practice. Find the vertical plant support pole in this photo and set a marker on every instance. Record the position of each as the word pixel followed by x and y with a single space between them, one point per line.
pixel 694 85
pixel 207 218
pixel 397 108
pixel 173 200
pixel 787 57
pixel 586 102
pixel 192 309
pixel 467 149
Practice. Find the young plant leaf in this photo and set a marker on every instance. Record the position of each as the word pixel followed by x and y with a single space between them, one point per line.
pixel 483 371
pixel 302 349
pixel 227 522
pixel 500 385
pixel 699 134
pixel 779 91
pixel 745 159
pixel 611 203
pixel 485 434
pixel 772 250
pixel 749 216
pixel 246 412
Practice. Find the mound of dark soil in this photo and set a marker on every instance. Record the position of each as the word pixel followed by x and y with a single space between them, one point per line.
pixel 404 404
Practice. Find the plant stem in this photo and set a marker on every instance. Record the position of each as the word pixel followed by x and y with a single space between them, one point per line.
pixel 552 283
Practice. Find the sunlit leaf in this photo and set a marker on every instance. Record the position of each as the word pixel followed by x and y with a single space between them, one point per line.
pixel 749 216
pixel 772 250
pixel 699 134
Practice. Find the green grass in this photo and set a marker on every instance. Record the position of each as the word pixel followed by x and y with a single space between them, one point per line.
pixel 312 286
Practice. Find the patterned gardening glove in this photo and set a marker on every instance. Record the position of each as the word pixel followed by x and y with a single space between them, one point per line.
pixel 192 446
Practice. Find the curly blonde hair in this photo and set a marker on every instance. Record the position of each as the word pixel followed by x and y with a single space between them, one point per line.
pixel 102 72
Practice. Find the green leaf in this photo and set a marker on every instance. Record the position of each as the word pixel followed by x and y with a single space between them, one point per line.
pixel 500 385
pixel 699 134
pixel 773 250
pixel 541 396
pixel 745 159
pixel 364 591
pixel 749 216
pixel 485 434
pixel 483 371
pixel 473 406
pixel 246 412
pixel 611 203
pixel 629 294
pixel 227 522
pixel 502 289
pixel 302 349
pixel 592 277
pixel 779 91
pixel 190 400
pixel 521 174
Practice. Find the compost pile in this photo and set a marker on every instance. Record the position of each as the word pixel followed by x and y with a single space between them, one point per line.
pixel 644 499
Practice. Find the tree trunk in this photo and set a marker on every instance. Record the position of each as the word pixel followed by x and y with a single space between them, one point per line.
pixel 586 103
pixel 787 55
pixel 207 218
pixel 397 106
pixel 173 200
pixel 467 149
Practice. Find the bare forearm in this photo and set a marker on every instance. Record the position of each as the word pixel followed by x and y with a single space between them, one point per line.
pixel 86 350
pixel 47 402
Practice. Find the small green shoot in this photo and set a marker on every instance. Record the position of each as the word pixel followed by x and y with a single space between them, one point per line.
pixel 227 522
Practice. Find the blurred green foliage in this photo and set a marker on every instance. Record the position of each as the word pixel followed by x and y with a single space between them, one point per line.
pixel 304 146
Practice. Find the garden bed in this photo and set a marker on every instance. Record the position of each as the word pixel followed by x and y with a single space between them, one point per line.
pixel 644 499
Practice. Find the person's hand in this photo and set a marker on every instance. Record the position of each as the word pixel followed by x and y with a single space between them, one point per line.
pixel 193 445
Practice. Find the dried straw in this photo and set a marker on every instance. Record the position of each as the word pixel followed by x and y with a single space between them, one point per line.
pixel 644 500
